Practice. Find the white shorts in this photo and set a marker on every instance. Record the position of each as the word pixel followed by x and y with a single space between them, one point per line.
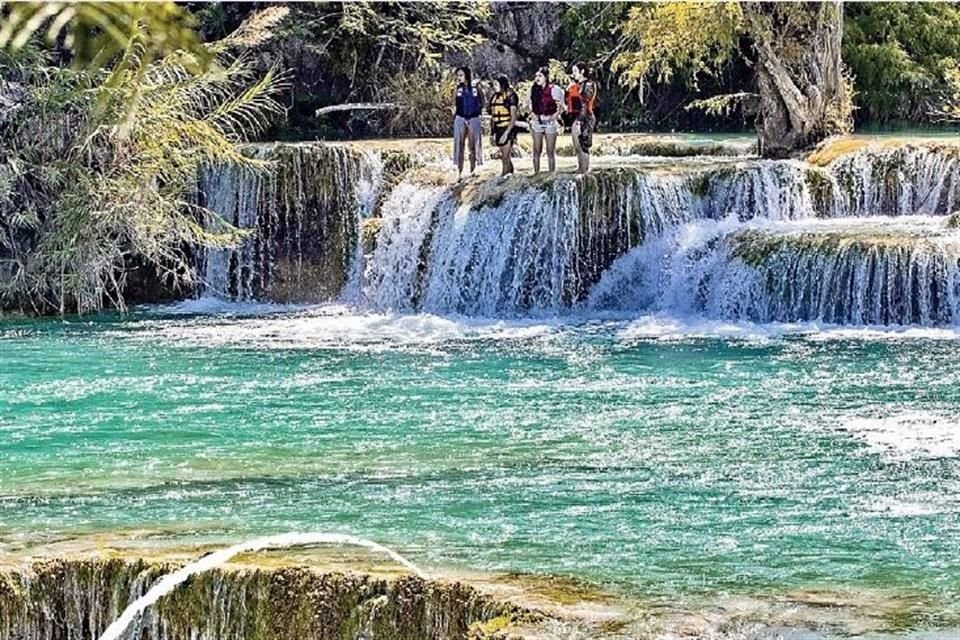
pixel 547 126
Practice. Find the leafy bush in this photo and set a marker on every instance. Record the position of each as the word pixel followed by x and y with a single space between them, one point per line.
pixel 99 167
pixel 424 102
pixel 902 56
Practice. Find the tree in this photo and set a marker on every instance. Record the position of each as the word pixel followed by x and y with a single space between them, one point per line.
pixel 904 56
pixel 97 166
pixel 375 52
pixel 801 89
pixel 97 33
pixel 949 110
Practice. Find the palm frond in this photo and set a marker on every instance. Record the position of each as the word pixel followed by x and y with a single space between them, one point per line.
pixel 100 169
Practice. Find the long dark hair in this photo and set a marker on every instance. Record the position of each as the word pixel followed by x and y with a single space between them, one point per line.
pixel 504 83
pixel 584 69
pixel 536 90
pixel 546 75
pixel 467 76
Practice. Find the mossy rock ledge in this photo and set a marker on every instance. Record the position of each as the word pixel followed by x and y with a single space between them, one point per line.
pixel 77 599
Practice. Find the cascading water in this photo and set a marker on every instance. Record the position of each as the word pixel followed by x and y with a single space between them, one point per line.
pixel 303 209
pixel 908 180
pixel 777 190
pixel 868 271
pixel 628 236
pixel 80 597
pixel 541 248
pixel 171 581
pixel 510 251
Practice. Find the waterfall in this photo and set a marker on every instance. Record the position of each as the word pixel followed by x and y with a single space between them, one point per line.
pixel 303 209
pixel 508 250
pixel 906 180
pixel 516 247
pixel 171 581
pixel 774 189
pixel 78 598
pixel 558 242
pixel 874 271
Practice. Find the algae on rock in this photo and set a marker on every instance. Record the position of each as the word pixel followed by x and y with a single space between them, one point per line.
pixel 79 598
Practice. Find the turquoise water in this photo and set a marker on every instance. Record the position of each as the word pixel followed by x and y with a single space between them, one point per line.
pixel 660 457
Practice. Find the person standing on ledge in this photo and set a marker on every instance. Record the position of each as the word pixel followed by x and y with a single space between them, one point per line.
pixel 546 103
pixel 468 106
pixel 581 97
pixel 503 121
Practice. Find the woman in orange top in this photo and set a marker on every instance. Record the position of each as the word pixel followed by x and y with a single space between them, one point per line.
pixel 581 97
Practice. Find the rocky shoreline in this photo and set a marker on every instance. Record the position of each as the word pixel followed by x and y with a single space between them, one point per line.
pixel 60 598
pixel 291 597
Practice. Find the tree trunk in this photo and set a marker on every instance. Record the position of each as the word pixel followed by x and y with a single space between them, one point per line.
pixel 803 97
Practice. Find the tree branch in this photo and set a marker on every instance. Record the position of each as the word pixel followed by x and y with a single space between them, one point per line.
pixel 356 106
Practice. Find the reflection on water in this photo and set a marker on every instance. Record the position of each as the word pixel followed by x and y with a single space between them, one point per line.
pixel 667 459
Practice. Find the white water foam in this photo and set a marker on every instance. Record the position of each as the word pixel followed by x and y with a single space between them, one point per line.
pixel 211 305
pixel 667 327
pixel 171 581
pixel 851 272
pixel 904 436
pixel 335 326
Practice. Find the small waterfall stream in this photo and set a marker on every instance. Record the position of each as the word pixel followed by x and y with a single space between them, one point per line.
pixel 625 236
pixel 304 210
pixel 872 271
pixel 171 581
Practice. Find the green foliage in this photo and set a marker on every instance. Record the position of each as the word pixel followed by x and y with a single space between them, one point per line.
pixel 591 34
pixel 950 110
pixel 371 40
pixel 592 31
pixel 726 104
pixel 902 56
pixel 422 30
pixel 99 168
pixel 423 100
pixel 360 51
pixel 659 39
pixel 97 33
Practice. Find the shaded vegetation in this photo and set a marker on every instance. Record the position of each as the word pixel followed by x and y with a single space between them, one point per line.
pixel 99 164
pixel 108 110
pixel 905 58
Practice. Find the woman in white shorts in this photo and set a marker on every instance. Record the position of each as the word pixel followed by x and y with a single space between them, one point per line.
pixel 546 105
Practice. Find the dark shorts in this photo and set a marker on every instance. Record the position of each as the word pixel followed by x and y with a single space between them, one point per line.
pixel 587 124
pixel 498 135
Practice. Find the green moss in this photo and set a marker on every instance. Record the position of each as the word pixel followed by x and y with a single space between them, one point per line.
pixel 754 248
pixel 821 190
pixel 69 597
pixel 700 185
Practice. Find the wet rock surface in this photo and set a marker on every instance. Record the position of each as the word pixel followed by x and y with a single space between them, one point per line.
pixel 55 599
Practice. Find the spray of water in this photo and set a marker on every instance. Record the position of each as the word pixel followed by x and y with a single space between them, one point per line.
pixel 171 581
